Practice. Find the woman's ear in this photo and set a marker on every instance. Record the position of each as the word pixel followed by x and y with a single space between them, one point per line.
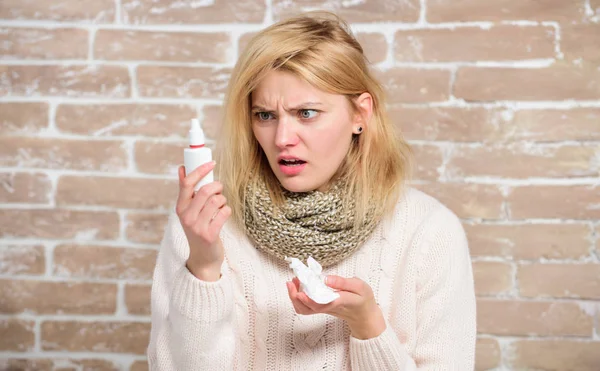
pixel 364 106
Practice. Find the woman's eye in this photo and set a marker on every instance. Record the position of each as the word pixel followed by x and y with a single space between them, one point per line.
pixel 308 113
pixel 263 116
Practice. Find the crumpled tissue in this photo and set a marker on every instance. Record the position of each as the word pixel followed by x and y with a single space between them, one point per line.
pixel 312 281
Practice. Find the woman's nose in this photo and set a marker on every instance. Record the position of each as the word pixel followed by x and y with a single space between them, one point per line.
pixel 286 134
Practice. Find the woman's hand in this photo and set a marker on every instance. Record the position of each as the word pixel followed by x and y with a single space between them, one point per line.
pixel 356 305
pixel 202 215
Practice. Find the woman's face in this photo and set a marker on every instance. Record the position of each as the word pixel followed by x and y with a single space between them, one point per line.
pixel 304 132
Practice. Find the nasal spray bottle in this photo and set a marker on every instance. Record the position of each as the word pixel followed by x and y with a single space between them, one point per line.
pixel 197 154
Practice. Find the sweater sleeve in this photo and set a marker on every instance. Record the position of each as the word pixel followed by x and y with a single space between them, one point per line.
pixel 446 307
pixel 446 321
pixel 384 352
pixel 192 320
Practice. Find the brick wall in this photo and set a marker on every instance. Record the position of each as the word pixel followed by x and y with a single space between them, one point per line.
pixel 501 100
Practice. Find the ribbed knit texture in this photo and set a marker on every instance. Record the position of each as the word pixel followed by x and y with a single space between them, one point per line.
pixel 417 263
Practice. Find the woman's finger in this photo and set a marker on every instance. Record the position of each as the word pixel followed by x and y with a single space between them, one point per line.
pixel 189 181
pixel 296 282
pixel 354 285
pixel 181 173
pixel 202 196
pixel 298 305
pixel 217 223
pixel 212 207
pixel 314 306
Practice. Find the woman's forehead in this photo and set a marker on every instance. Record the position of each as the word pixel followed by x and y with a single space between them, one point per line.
pixel 288 90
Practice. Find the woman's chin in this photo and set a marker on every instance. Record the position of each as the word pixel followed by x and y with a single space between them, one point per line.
pixel 297 184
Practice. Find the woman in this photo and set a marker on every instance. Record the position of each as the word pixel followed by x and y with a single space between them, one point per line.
pixel 309 166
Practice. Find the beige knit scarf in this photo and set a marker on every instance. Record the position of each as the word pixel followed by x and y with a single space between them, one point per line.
pixel 315 224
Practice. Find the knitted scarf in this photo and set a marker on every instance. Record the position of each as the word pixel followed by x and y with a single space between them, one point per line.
pixel 314 223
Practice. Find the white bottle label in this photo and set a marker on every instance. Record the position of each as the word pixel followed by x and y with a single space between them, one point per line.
pixel 195 157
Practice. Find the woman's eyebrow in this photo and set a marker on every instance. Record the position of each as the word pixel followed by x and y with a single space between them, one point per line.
pixel 301 105
pixel 259 108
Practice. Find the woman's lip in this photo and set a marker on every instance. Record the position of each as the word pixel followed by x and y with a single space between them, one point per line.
pixel 292 170
pixel 288 158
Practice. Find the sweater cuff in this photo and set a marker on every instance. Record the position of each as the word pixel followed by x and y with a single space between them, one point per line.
pixel 384 352
pixel 202 301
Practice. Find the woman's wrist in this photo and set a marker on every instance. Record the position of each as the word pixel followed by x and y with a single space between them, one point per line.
pixel 370 327
pixel 209 273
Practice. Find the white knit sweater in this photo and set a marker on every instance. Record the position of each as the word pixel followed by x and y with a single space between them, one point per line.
pixel 417 263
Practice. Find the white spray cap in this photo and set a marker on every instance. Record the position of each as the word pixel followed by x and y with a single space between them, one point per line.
pixel 196 134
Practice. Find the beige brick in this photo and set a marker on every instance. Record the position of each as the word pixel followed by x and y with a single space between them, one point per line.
pixel 556 355
pixel 410 85
pixel 133 193
pixel 94 364
pixel 529 241
pixel 44 223
pixel 581 42
pixel 57 297
pixel 69 81
pixel 447 123
pixel 598 251
pixel 100 155
pixel 162 46
pixel 145 228
pixel 159 157
pixel 554 125
pixel 90 11
pixel 182 82
pixel 16 335
pixel 21 364
pixel 427 161
pixel 24 187
pixel 115 337
pixel 595 6
pixel 156 120
pixel 43 43
pixel 139 366
pixel 516 318
pixel 492 278
pixel 23 118
pixel 500 10
pixel 467 200
pixel 137 299
pixel 22 259
pixel 498 43
pixel 57 364
pixel 213 117
pixel 560 280
pixel 103 262
pixel 374 46
pixel 525 161
pixel 568 202
pixel 174 12
pixel 487 354
pixel 559 82
pixel 353 11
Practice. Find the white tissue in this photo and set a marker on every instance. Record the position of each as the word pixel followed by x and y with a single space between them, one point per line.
pixel 312 282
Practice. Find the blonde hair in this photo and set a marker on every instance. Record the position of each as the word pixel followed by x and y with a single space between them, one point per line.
pixel 319 48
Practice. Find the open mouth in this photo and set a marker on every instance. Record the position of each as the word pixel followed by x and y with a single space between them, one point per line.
pixel 291 166
pixel 293 162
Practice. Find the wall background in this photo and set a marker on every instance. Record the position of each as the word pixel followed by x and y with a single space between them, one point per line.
pixel 501 100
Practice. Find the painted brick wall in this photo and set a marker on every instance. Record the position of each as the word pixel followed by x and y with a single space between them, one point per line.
pixel 501 99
